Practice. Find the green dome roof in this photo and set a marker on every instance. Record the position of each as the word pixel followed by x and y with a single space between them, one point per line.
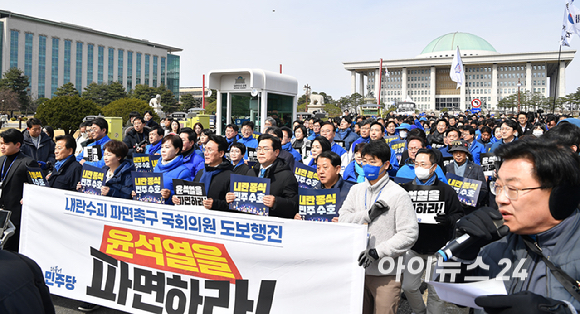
pixel 465 41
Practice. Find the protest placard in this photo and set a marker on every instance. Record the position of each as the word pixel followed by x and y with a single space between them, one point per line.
pixel 92 179
pixel 488 163
pixel 36 176
pixel 144 162
pixel 391 138
pixel 427 200
pixel 318 204
pixel 305 175
pixel 189 193
pixel 398 146
pixel 467 189
pixel 250 192
pixel 252 156
pixel 147 186
pixel 93 153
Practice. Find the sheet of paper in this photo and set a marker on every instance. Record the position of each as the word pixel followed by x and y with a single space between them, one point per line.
pixel 465 293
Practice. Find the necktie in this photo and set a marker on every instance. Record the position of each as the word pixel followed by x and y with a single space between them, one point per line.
pixel 262 171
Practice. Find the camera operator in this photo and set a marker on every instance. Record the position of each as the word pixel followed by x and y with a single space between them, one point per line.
pixel 137 138
pixel 537 195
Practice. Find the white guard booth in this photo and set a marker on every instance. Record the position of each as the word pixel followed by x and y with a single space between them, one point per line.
pixel 253 95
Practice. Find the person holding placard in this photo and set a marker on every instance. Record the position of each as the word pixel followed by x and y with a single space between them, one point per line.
pixel 392 226
pixel 328 166
pixel 66 172
pixel 432 234
pixel 171 165
pixel 283 197
pixel 99 131
pixel 216 174
pixel 464 167
pixel 119 182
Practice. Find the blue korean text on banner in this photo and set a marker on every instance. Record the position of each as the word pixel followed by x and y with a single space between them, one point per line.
pixel 250 192
pixel 36 176
pixel 148 186
pixel 398 146
pixel 319 204
pixel 391 138
pixel 144 162
pixel 467 189
pixel 189 193
pixel 306 176
pixel 427 200
pixel 92 179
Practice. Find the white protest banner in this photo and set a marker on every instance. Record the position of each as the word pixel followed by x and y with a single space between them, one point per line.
pixel 154 258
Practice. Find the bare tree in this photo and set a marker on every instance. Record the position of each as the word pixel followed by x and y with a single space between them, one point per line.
pixel 8 100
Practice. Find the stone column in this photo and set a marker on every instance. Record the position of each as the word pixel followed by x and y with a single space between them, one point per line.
pixel 352 82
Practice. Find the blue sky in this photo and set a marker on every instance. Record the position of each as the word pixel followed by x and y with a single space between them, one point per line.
pixel 311 39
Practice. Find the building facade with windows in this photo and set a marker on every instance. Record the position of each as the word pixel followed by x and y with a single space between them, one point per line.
pixel 489 76
pixel 52 54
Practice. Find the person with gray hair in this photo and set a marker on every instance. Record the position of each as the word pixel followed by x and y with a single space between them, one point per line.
pixel 270 122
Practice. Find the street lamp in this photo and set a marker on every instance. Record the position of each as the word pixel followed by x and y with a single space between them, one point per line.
pixel 519 85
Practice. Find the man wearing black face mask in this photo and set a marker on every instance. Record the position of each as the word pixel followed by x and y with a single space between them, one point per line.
pixel 387 209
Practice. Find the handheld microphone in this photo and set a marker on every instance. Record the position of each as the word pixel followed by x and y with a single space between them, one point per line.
pixel 460 243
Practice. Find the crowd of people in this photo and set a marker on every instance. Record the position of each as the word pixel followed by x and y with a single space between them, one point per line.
pixel 352 153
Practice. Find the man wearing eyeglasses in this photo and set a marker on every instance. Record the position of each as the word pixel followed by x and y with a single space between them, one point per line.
pixel 432 236
pixel 283 197
pixel 414 144
pixel 537 192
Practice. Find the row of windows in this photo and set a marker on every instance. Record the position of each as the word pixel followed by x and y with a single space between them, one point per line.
pixel 479 77
pixel 28 62
pixel 485 69
pixel 418 78
pixel 419 85
pixel 478 84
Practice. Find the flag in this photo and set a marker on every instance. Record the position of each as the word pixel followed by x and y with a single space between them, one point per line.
pixel 456 71
pixel 571 23
pixel 386 72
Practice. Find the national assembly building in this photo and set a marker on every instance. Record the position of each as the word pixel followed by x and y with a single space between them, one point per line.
pixel 52 54
pixel 489 75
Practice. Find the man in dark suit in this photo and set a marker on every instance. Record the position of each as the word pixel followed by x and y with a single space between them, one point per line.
pixel 67 171
pixel 13 175
pixel 464 167
pixel 283 197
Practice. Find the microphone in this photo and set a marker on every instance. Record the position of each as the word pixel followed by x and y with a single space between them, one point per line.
pixel 462 242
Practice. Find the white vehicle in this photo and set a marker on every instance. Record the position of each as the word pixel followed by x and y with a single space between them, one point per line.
pixel 406 108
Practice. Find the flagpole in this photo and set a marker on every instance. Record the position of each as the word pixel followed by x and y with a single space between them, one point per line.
pixel 556 83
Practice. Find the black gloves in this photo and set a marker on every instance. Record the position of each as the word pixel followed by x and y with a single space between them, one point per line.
pixel 441 219
pixel 521 302
pixel 485 224
pixel 377 209
pixel 367 257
